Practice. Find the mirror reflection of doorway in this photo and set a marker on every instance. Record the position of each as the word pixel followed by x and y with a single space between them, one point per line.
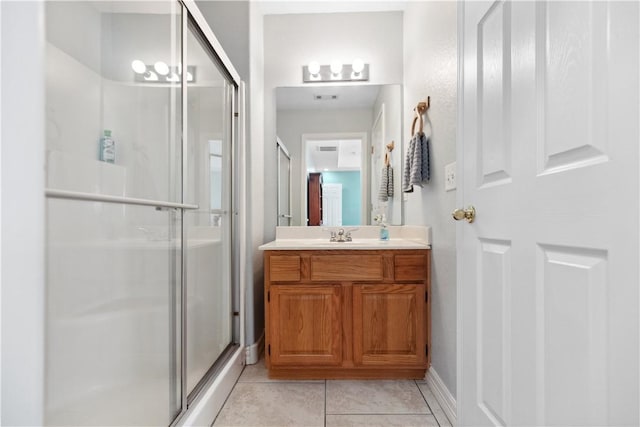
pixel 284 184
pixel 335 172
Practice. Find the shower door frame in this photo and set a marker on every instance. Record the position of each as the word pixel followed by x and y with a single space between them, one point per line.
pixel 217 383
pixel 282 150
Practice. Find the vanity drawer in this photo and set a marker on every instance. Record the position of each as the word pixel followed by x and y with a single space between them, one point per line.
pixel 284 268
pixel 347 267
pixel 410 267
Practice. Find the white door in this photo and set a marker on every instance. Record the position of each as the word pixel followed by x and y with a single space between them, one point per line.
pixel 548 271
pixel 332 205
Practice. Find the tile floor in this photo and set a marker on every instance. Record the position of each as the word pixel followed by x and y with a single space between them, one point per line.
pixel 257 401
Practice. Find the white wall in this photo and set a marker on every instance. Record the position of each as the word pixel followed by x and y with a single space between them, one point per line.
pixel 292 125
pixel 291 41
pixel 22 201
pixel 430 69
pixel 225 19
pixel 255 164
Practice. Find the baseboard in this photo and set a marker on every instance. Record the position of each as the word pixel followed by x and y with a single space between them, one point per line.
pixel 255 350
pixel 443 396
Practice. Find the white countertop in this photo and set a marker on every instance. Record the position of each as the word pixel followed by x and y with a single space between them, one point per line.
pixel 364 238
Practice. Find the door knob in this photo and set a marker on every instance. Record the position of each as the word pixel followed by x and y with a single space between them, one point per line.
pixel 468 214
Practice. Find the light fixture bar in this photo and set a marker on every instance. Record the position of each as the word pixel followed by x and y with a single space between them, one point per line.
pixel 326 76
pixel 172 74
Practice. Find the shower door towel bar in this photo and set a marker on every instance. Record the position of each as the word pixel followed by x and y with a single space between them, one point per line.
pixel 91 197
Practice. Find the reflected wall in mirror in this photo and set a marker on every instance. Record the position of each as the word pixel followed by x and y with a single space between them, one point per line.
pixel 337 138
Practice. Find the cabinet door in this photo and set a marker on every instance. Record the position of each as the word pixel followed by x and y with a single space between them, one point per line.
pixel 389 325
pixel 305 325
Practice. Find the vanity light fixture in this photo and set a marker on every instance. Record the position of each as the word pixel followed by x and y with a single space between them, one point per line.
pixel 336 72
pixel 161 68
pixel 357 66
pixel 314 69
pixel 160 72
pixel 138 66
pixel 336 68
pixel 150 76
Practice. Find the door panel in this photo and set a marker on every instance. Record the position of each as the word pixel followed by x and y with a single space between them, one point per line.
pixel 572 333
pixel 305 324
pixel 493 325
pixel 572 72
pixel 389 325
pixel 207 229
pixel 493 95
pixel 548 271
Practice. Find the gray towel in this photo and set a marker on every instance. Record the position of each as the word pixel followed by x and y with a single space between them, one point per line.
pixel 386 184
pixel 416 163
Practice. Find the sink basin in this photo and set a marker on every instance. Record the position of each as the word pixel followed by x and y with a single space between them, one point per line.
pixel 354 242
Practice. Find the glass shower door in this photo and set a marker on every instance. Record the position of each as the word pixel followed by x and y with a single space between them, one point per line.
pixel 208 230
pixel 113 229
pixel 284 184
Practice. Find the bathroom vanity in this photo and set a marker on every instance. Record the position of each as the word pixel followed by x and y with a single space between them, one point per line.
pixel 358 309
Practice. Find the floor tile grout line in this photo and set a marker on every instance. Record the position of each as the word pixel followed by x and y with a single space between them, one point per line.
pixel 325 403
pixel 413 414
pixel 427 402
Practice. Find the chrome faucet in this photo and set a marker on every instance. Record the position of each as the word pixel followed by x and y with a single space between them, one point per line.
pixel 341 235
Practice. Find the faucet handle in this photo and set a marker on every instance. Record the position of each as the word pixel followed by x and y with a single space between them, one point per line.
pixel 332 234
pixel 347 237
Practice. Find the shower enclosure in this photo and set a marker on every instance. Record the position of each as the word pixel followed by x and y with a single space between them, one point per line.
pixel 141 289
pixel 284 184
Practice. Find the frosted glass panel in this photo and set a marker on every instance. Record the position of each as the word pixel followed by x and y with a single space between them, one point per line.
pixel 209 313
pixel 100 74
pixel 112 304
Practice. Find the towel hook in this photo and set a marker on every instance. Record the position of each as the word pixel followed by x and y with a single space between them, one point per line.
pixel 391 146
pixel 423 106
pixel 420 109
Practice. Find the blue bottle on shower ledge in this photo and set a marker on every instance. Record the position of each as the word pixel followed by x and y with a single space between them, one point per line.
pixel 384 233
pixel 107 151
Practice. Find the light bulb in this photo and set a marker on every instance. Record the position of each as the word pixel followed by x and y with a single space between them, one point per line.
pixel 161 68
pixel 358 65
pixel 336 67
pixel 314 68
pixel 138 66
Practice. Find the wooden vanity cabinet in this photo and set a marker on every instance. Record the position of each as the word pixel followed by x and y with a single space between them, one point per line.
pixel 347 313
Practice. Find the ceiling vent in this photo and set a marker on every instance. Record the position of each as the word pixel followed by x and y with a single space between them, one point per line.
pixel 325 97
pixel 327 148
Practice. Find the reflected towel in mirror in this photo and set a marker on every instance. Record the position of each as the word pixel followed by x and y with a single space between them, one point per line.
pixel 386 184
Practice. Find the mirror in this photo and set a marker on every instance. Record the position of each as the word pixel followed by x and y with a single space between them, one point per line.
pixel 337 139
